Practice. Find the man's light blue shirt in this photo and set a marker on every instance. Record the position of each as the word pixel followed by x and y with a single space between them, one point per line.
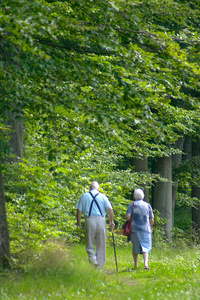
pixel 85 201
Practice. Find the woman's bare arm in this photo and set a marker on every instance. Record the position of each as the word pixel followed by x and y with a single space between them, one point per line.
pixel 151 221
pixel 128 217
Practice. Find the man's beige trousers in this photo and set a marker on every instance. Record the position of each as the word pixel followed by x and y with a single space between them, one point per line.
pixel 95 234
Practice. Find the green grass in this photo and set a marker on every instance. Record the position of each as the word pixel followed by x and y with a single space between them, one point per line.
pixel 59 274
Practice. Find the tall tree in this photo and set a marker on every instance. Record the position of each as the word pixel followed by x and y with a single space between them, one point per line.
pixel 4 233
pixel 141 166
pixel 176 161
pixel 196 185
pixel 162 192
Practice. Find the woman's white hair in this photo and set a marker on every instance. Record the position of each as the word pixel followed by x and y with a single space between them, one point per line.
pixel 138 194
pixel 94 185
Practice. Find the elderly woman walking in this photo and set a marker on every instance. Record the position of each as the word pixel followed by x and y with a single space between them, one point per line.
pixel 142 219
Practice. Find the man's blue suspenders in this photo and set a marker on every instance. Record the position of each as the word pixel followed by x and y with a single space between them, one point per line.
pixel 94 200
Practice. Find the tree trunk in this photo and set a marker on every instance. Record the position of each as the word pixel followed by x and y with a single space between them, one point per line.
pixel 4 233
pixel 15 121
pixel 141 166
pixel 196 209
pixel 162 192
pixel 196 188
pixel 176 160
pixel 187 149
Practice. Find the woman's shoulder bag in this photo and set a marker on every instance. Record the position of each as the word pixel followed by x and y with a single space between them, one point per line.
pixel 127 225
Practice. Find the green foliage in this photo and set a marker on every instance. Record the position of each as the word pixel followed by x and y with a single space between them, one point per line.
pixel 185 200
pixel 159 235
pixel 41 203
pixel 182 217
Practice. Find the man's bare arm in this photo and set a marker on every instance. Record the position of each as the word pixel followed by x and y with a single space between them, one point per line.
pixel 78 217
pixel 111 218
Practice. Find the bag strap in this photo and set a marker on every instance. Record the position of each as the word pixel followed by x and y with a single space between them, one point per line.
pixel 94 200
pixel 132 210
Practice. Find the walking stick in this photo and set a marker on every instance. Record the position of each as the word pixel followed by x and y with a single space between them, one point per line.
pixel 114 250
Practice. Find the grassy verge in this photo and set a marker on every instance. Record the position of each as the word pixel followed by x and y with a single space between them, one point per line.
pixel 60 274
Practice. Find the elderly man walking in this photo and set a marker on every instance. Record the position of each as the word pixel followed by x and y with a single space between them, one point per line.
pixel 94 206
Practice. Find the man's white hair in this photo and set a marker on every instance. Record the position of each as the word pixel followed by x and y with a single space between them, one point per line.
pixel 94 185
pixel 138 194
